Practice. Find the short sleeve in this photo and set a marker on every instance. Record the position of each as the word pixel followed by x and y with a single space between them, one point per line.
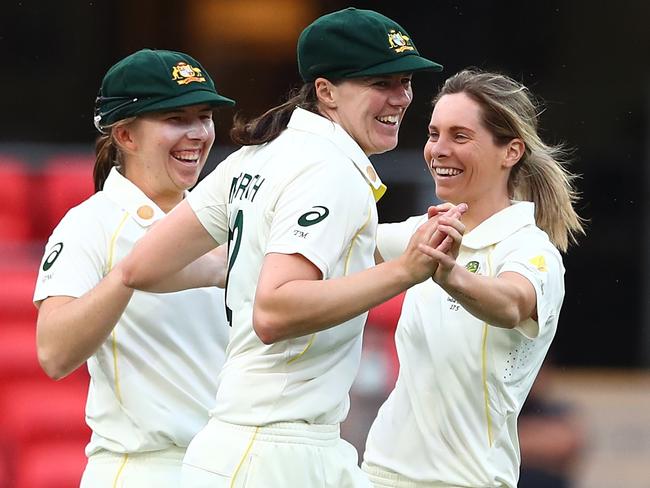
pixel 542 266
pixel 392 239
pixel 319 212
pixel 209 201
pixel 75 257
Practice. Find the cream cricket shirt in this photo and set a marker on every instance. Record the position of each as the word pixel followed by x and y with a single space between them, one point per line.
pixel 452 417
pixel 152 381
pixel 309 191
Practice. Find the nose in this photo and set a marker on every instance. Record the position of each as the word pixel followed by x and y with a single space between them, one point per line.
pixel 436 150
pixel 401 96
pixel 198 130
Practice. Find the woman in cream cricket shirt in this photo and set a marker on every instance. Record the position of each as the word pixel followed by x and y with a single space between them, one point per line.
pixel 150 356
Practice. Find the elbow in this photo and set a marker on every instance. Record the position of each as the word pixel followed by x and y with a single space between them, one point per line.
pixel 266 327
pixel 53 359
pixel 131 275
pixel 128 274
pixel 52 364
pixel 511 318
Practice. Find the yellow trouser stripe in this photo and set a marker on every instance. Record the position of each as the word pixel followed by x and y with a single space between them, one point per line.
pixel 243 458
pixel 119 471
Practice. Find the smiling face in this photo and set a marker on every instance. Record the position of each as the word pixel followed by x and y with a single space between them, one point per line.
pixel 369 109
pixel 464 159
pixel 165 151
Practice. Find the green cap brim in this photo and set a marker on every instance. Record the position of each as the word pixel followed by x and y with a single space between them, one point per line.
pixel 404 64
pixel 195 97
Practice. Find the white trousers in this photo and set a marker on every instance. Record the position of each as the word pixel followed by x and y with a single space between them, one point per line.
pixel 155 469
pixel 278 455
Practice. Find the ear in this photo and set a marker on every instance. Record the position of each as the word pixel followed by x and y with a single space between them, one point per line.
pixel 325 92
pixel 514 151
pixel 124 137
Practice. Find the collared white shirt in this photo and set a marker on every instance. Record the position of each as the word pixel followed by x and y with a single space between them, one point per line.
pixel 452 417
pixel 152 381
pixel 309 191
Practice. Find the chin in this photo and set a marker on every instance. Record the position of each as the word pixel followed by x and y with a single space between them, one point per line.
pixel 384 148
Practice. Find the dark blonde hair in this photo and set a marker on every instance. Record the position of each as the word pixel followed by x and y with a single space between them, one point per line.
pixel 510 111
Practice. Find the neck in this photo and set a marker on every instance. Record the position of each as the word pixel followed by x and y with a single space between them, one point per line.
pixel 167 201
pixel 164 197
pixel 479 211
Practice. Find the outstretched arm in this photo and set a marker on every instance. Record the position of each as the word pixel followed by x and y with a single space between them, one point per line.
pixel 293 300
pixel 172 255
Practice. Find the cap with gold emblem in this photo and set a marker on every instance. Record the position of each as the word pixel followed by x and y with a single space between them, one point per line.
pixel 352 43
pixel 151 81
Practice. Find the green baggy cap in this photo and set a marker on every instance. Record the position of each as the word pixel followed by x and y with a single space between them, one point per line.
pixel 352 43
pixel 152 81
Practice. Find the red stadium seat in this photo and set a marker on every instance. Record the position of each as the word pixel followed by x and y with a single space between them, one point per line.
pixel 384 318
pixel 386 314
pixel 18 359
pixel 66 182
pixel 50 464
pixel 37 411
pixel 16 297
pixel 43 426
pixel 15 218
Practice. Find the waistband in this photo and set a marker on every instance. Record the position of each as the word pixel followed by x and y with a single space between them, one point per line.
pixel 384 478
pixel 172 454
pixel 289 432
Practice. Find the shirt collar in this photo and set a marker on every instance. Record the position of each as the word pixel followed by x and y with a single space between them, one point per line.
pixel 307 121
pixel 126 194
pixel 500 225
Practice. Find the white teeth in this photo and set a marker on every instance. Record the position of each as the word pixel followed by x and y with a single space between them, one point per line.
pixel 186 156
pixel 389 119
pixel 447 171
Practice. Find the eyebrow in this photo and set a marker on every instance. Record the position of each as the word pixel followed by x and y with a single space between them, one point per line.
pixel 455 128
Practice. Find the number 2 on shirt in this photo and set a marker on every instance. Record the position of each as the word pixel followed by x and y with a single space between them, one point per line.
pixel 236 233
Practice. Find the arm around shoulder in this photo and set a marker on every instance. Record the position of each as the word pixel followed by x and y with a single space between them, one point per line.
pixel 165 258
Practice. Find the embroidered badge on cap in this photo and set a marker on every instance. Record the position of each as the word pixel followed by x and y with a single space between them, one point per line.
pixel 184 73
pixel 399 42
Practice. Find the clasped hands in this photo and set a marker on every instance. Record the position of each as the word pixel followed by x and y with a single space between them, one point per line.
pixel 433 248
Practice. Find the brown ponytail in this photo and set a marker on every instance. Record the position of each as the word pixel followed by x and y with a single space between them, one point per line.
pixel 107 154
pixel 270 124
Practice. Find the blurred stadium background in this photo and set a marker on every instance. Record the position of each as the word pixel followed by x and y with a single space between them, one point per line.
pixel 588 61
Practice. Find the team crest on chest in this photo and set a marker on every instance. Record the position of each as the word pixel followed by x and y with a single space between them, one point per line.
pixel 184 73
pixel 398 42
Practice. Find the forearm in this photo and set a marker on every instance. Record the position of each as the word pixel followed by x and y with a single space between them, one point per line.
pixel 302 307
pixel 208 270
pixel 501 302
pixel 163 260
pixel 70 330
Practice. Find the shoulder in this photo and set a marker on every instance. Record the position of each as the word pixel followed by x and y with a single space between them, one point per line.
pixel 531 248
pixel 530 237
pixel 93 215
pixel 306 148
